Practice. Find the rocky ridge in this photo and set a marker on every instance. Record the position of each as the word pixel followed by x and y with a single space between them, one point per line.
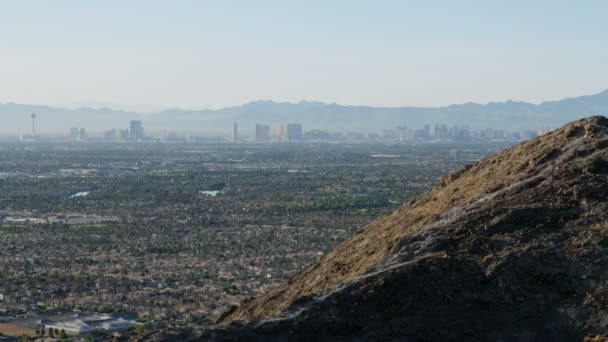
pixel 512 248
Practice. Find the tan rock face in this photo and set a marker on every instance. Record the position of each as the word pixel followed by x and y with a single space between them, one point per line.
pixel 523 228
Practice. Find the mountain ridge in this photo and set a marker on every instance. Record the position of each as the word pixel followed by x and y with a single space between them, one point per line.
pixel 313 114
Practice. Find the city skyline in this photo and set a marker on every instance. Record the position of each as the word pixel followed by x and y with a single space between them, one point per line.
pixel 294 132
pixel 510 115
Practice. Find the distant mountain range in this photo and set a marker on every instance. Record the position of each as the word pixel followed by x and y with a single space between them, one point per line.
pixel 510 115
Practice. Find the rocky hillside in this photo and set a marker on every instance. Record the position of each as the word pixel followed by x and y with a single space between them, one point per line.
pixel 512 248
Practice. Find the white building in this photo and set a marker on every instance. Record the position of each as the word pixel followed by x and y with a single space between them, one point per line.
pixel 88 324
pixel 76 327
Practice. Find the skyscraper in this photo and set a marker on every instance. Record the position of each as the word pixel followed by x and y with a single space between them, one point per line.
pixel 123 134
pixel 280 132
pixel 235 133
pixel 73 133
pixel 262 132
pixel 110 135
pixel 83 134
pixel 33 116
pixel 427 130
pixel 137 131
pixel 294 131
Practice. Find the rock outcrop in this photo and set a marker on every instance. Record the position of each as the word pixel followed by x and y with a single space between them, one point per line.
pixel 512 248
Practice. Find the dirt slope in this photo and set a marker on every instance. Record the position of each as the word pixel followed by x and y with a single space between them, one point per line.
pixel 514 247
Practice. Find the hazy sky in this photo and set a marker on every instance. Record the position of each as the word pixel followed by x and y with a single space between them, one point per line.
pixel 198 54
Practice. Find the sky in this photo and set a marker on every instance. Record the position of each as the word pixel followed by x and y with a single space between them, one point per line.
pixel 146 55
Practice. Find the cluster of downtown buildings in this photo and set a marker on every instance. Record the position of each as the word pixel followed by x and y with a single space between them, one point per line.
pixel 438 132
pixel 135 132
pixel 295 132
pixel 443 132
pixel 289 132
